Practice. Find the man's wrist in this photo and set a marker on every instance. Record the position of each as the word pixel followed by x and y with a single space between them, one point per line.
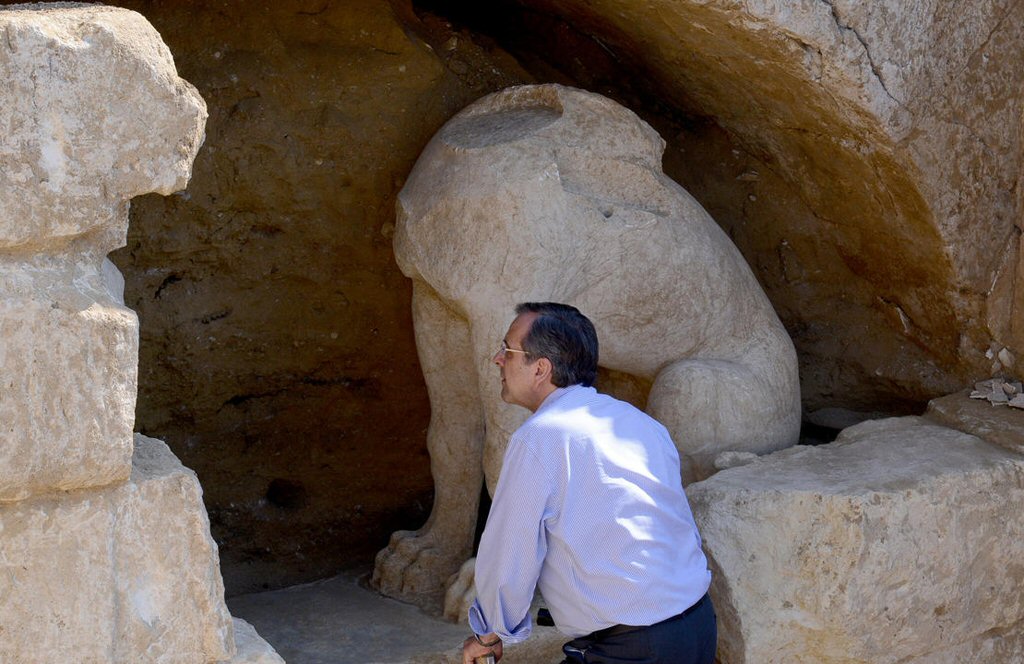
pixel 487 644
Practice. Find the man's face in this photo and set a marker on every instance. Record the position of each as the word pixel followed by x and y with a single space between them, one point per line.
pixel 518 375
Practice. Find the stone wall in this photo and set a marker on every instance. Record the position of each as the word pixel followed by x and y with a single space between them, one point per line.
pixel 105 542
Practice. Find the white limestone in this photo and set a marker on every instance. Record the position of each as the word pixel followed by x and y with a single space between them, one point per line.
pixel 901 540
pixel 93 114
pixel 69 362
pixel 121 574
pixel 251 647
pixel 105 547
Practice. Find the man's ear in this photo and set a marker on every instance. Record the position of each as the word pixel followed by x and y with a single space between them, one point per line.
pixel 543 369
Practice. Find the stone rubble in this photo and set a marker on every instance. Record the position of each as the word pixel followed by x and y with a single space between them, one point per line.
pixel 1000 392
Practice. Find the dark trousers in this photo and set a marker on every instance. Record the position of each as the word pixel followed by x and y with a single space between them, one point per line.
pixel 689 638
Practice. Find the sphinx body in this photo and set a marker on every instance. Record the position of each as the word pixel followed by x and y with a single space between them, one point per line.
pixel 547 193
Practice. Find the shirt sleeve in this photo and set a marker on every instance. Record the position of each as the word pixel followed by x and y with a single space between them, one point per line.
pixel 512 547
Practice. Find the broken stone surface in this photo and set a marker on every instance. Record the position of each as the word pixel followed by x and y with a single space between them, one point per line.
pixel 120 574
pixel 69 358
pixel 1000 426
pixel 900 540
pixel 251 648
pixel 999 392
pixel 548 193
pixel 93 114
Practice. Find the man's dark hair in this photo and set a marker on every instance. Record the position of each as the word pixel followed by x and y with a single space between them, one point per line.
pixel 564 336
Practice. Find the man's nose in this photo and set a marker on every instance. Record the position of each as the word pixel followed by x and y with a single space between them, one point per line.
pixel 499 357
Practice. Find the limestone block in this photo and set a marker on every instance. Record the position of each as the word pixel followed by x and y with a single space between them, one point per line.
pixel 93 113
pixel 1000 426
pixel 121 574
pixel 251 648
pixel 903 539
pixel 68 375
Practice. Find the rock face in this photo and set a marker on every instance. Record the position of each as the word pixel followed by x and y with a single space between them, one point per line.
pixel 998 425
pixel 121 574
pixel 548 193
pixel 67 182
pixel 901 541
pixel 105 541
pixel 63 206
pixel 277 352
pixel 860 153
pixel 252 649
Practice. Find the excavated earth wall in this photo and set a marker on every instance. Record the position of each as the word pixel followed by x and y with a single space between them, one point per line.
pixel 864 157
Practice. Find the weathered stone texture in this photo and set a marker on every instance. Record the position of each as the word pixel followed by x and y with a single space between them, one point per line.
pixel 120 574
pixel 67 398
pixel 93 113
pixel 901 540
pixel 81 88
pixel 999 425
pixel 251 648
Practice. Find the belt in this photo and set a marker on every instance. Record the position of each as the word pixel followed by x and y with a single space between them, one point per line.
pixel 615 630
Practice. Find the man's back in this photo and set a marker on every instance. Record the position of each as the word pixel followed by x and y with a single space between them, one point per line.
pixel 620 545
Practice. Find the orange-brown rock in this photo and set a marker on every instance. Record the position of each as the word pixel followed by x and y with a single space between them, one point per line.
pixel 277 354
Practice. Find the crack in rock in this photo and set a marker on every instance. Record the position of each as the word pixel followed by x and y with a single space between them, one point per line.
pixel 867 52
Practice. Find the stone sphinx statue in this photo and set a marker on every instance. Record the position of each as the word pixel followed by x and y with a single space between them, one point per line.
pixel 550 193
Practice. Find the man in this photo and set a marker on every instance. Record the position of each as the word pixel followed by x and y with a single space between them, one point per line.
pixel 589 508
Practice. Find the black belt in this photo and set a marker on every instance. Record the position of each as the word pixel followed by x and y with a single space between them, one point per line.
pixel 615 630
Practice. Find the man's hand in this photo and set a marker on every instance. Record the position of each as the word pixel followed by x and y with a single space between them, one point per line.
pixel 471 649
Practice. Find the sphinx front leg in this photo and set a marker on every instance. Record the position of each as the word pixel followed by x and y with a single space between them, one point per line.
pixel 416 565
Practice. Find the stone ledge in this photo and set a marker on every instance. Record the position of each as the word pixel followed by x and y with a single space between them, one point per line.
pixel 94 113
pixel 899 540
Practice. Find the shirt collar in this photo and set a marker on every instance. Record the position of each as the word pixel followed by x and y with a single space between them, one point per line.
pixel 556 395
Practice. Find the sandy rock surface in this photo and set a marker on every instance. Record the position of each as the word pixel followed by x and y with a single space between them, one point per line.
pixel 251 648
pixel 93 113
pixel 902 539
pixel 1000 426
pixel 82 88
pixel 121 574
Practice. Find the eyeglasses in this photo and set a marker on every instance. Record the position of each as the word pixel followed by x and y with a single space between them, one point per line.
pixel 505 349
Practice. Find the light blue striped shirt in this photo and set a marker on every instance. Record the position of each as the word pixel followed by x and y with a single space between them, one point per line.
pixel 590 509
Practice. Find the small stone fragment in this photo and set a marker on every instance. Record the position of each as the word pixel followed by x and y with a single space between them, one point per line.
pixel 734 459
pixel 1017 401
